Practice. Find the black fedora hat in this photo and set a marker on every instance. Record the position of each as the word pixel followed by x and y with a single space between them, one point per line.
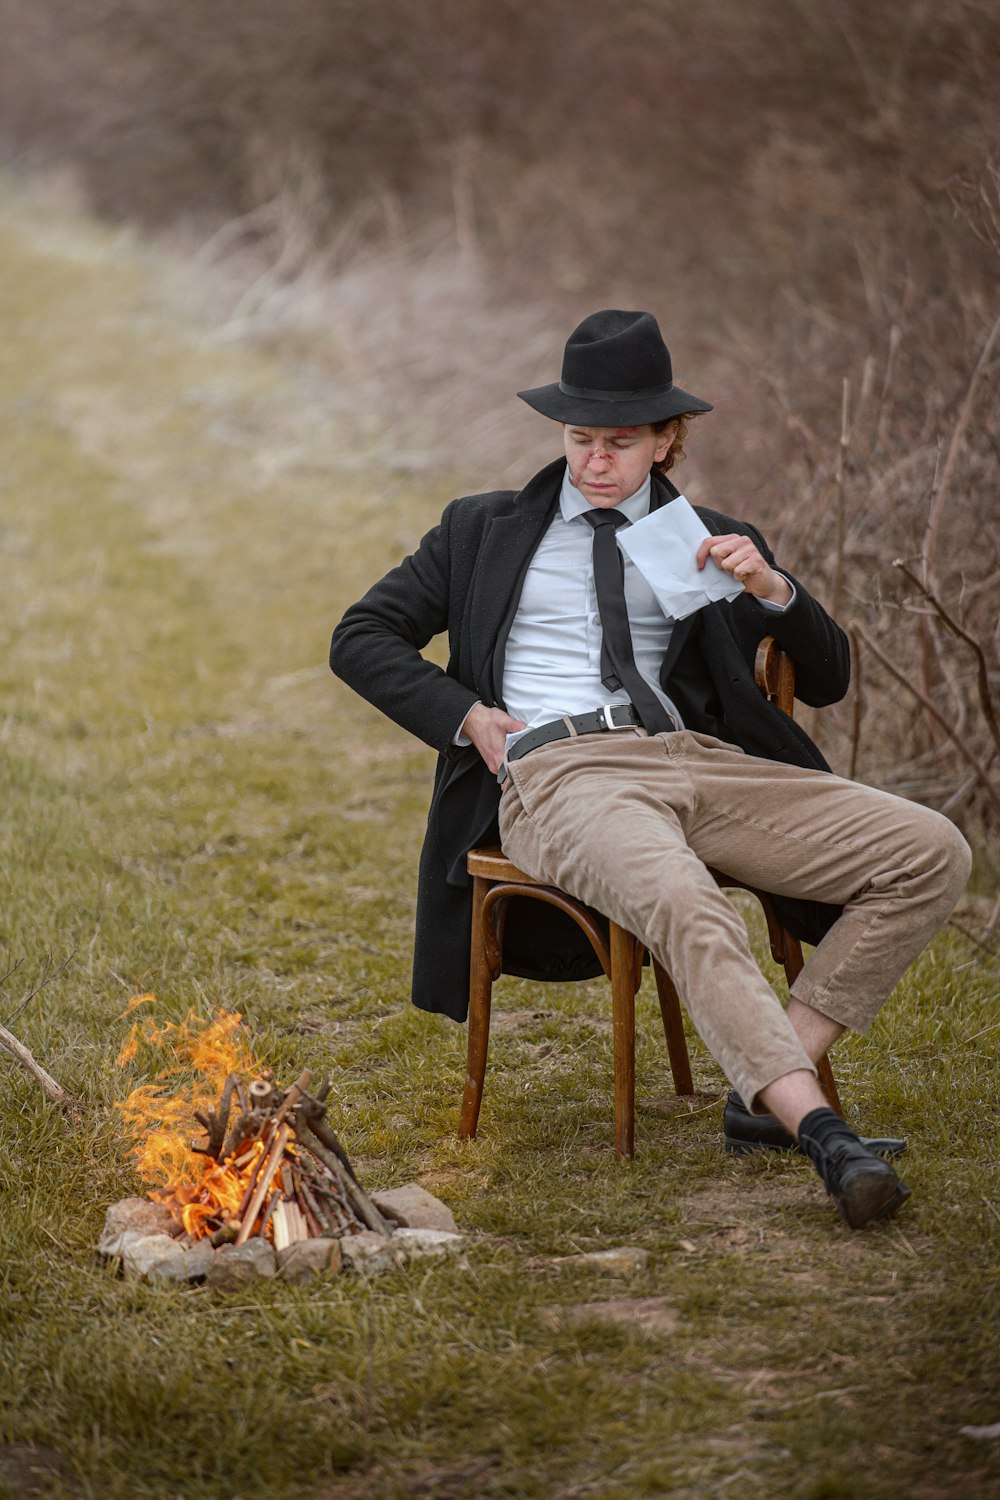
pixel 616 373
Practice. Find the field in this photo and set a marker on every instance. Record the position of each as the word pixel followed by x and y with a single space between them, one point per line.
pixel 193 806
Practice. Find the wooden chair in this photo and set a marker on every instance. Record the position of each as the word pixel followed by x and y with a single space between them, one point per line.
pixel 496 881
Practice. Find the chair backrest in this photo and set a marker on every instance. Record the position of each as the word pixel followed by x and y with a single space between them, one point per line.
pixel 774 674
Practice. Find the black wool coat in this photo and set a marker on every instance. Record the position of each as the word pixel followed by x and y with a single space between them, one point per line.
pixel 465 578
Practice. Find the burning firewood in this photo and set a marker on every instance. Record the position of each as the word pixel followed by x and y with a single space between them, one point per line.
pixel 268 1190
pixel 271 1165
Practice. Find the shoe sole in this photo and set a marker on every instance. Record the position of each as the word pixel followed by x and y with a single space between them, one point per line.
pixel 869 1197
pixel 735 1147
pixel 887 1146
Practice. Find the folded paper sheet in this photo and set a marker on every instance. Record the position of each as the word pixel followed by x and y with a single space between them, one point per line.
pixel 663 546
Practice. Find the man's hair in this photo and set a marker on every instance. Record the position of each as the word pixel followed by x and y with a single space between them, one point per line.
pixel 676 453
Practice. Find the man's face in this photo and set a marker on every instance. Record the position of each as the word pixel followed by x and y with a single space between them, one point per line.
pixel 608 464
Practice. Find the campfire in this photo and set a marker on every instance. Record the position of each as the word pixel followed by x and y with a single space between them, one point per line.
pixel 278 1170
pixel 269 1169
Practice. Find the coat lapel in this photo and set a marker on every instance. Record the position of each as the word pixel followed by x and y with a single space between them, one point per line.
pixel 506 550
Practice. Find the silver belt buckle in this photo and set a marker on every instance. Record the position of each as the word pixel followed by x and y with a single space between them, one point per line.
pixel 609 723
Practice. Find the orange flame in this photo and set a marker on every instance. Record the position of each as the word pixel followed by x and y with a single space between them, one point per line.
pixel 160 1115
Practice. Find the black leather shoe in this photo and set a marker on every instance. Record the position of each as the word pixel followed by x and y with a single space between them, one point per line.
pixel 745 1132
pixel 863 1186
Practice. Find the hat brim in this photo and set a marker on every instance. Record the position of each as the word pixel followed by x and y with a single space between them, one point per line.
pixel 598 411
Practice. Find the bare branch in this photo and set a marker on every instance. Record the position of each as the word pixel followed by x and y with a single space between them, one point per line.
pixel 936 511
pixel 839 481
pixel 48 974
pixel 969 756
pixel 982 669
pixel 12 970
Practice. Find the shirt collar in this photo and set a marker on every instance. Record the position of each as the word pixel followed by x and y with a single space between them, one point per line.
pixel 572 503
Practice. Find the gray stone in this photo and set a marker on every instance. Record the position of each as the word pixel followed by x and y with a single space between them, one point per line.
pixel 140 1252
pixel 369 1253
pixel 138 1216
pixel 234 1265
pixel 308 1258
pixel 623 1260
pixel 108 1248
pixel 417 1242
pixel 415 1208
pixel 193 1265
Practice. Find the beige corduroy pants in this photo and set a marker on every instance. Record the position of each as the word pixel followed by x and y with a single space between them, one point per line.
pixel 628 822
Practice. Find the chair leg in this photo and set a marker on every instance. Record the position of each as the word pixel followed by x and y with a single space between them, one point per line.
pixel 828 1084
pixel 673 1030
pixel 480 996
pixel 794 963
pixel 623 987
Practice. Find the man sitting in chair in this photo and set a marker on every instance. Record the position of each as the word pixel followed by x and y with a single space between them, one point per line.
pixel 617 744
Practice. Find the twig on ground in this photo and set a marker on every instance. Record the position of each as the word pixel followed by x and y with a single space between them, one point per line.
pixel 52 1090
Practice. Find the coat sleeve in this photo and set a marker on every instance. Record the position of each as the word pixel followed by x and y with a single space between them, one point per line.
pixel 376 648
pixel 813 639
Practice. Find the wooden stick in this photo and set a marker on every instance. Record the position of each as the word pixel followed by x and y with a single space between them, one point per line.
pixel 272 1161
pixel 330 1222
pixel 274 1126
pixel 314 1114
pixel 309 1206
pixel 51 1089
pixel 282 1237
pixel 266 1138
pixel 362 1205
pixel 221 1117
pixel 296 1227
pixel 248 1125
pixel 322 1186
pixel 273 1204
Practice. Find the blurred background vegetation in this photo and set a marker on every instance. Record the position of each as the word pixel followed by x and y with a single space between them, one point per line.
pixel 418 200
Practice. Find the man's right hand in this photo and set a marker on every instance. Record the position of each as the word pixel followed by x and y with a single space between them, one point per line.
pixel 488 729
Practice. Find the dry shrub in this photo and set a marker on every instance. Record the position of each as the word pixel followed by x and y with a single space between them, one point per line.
pixel 896 515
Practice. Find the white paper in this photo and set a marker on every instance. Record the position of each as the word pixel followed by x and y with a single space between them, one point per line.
pixel 663 546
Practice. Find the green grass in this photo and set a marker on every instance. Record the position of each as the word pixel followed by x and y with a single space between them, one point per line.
pixel 191 805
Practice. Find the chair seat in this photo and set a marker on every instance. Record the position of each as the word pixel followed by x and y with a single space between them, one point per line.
pixel 492 864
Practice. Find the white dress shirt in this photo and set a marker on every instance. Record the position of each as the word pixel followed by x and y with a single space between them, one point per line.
pixel 552 662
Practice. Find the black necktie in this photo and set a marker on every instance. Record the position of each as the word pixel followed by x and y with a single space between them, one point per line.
pixel 618 668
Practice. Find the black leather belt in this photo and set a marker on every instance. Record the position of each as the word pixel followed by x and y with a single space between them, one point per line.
pixel 611 716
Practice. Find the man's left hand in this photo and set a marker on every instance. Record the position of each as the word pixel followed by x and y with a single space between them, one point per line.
pixel 736 554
